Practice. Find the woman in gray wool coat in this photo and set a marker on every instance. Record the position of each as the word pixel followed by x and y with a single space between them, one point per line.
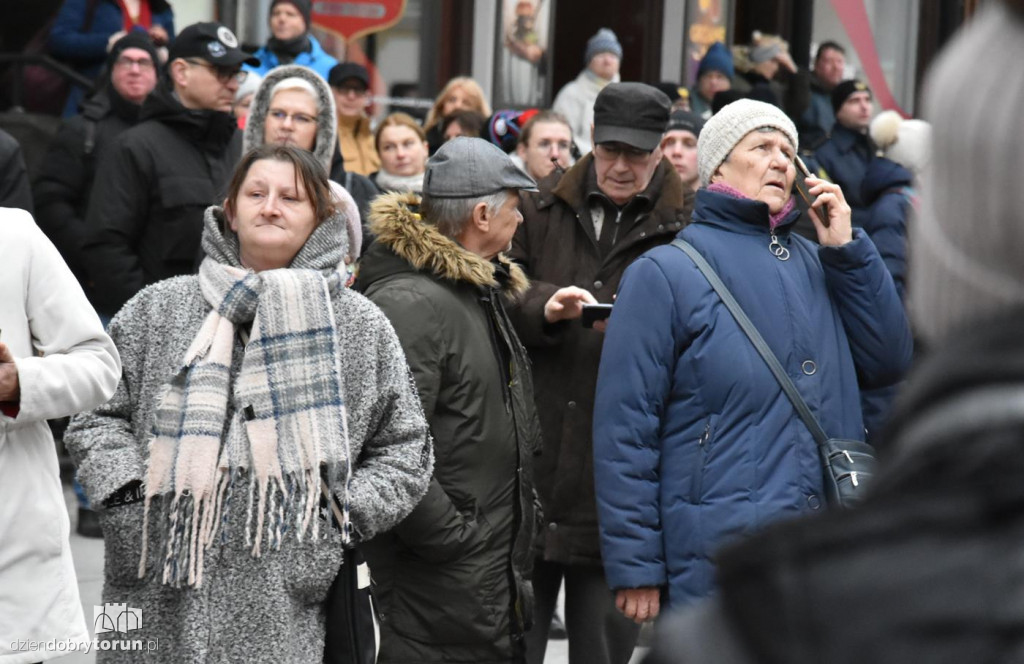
pixel 246 391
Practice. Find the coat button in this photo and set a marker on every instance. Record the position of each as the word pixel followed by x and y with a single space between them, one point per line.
pixel 812 501
pixel 552 526
pixel 598 283
pixel 571 404
pixel 809 367
pixel 661 227
pixel 643 233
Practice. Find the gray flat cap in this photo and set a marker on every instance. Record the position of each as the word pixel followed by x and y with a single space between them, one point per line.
pixel 471 167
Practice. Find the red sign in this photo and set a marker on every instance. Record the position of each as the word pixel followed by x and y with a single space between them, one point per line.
pixel 354 18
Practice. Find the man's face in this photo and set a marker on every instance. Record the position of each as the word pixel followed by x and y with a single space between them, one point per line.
pixel 291 120
pixel 503 225
pixel 202 85
pixel 549 143
pixel 286 21
pixel 350 97
pixel 134 75
pixel 829 67
pixel 711 83
pixel 623 171
pixel 855 113
pixel 680 148
pixel 761 167
pixel 605 65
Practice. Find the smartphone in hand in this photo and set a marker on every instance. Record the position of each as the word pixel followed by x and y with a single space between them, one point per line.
pixel 595 312
pixel 803 172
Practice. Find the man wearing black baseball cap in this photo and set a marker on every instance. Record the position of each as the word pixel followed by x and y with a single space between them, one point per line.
pixel 153 184
pixel 581 231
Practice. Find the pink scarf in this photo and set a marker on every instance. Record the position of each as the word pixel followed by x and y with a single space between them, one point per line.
pixel 775 219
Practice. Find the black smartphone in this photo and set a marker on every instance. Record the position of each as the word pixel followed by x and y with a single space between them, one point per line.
pixel 803 172
pixel 595 312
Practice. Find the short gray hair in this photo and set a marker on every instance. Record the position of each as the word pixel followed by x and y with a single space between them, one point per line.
pixel 451 214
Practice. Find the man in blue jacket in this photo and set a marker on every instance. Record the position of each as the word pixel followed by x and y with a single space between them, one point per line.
pixel 695 443
pixel 848 151
pixel 290 41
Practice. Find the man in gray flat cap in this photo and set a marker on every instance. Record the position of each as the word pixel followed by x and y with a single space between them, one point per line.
pixel 453 578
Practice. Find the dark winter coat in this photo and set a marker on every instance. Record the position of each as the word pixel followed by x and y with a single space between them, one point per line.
pixel 557 248
pixel 15 190
pixel 816 120
pixel 362 189
pixel 66 174
pixel 927 569
pixel 845 157
pixel 454 575
pixel 695 444
pixel 152 187
pixel 887 192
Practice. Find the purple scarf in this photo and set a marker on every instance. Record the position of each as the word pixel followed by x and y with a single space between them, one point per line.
pixel 775 219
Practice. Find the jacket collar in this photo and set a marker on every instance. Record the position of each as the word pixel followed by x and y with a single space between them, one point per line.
pixel 210 130
pixel 396 222
pixel 736 214
pixel 846 139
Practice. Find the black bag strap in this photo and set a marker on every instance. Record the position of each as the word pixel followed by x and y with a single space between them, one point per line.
pixel 755 338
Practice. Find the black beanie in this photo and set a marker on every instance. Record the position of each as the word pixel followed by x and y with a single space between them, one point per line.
pixel 843 91
pixel 134 39
pixel 303 6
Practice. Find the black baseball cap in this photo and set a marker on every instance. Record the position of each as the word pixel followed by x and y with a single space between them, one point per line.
pixel 212 42
pixel 345 70
pixel 632 113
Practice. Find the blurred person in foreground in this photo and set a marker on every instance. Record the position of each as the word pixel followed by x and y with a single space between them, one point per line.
pixel 928 567
pixel 212 457
pixel 695 442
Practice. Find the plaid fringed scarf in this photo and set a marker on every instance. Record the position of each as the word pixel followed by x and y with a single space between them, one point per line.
pixel 284 433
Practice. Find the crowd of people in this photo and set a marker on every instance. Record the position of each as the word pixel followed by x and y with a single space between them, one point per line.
pixel 498 352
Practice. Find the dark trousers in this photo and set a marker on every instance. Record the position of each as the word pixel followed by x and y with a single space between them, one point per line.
pixel 598 633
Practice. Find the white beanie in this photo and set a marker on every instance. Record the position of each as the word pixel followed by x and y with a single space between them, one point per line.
pixel 728 127
pixel 248 86
pixel 906 142
pixel 966 247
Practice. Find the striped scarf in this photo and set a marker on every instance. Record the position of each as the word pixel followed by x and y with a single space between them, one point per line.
pixel 284 432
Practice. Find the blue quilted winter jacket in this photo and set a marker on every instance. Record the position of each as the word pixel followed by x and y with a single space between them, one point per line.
pixel 316 58
pixel 695 444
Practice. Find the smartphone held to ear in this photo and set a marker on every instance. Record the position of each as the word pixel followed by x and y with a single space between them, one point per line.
pixel 802 172
pixel 595 312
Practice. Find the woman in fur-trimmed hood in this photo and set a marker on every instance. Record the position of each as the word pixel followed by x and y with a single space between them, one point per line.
pixel 211 459
pixel 453 576
pixel 294 106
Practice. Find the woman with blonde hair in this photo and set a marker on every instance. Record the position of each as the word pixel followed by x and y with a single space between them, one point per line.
pixel 402 146
pixel 460 94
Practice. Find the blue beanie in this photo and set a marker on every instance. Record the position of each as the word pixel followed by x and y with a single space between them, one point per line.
pixel 718 58
pixel 604 41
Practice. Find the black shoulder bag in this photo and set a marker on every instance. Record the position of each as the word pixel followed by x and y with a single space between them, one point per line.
pixel 848 465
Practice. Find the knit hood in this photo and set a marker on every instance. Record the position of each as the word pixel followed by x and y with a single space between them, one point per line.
pixel 395 220
pixel 326 127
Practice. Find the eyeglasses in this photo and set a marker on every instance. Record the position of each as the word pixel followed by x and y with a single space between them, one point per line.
pixel 298 118
pixel 612 151
pixel 144 64
pixel 223 74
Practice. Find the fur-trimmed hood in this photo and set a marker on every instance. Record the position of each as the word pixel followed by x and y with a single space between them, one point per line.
pixel 395 220
pixel 326 118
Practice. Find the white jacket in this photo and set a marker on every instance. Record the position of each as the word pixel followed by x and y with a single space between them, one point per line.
pixel 576 102
pixel 66 364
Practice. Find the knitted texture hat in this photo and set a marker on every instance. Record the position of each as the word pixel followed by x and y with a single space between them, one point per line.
pixel 728 127
pixel 907 142
pixel 604 41
pixel 718 58
pixel 844 90
pixel 302 5
pixel 966 247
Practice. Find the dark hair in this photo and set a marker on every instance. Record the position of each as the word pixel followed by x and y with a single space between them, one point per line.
pixel 308 170
pixel 472 123
pixel 825 46
pixel 543 116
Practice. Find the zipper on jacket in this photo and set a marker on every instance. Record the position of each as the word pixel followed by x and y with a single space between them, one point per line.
pixel 615 234
pixel 779 251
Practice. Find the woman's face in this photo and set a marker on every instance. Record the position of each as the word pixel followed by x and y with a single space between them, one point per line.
pixel 401 151
pixel 291 120
pixel 761 167
pixel 272 215
pixel 457 100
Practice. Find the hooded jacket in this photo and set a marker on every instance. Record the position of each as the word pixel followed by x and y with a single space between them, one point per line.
pixel 453 576
pixel 556 246
pixel 695 444
pixel 66 174
pixel 323 147
pixel 152 186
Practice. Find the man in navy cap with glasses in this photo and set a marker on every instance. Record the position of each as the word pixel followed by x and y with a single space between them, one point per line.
pixel 152 186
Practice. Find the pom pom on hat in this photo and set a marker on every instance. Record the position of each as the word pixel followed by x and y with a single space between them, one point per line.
pixel 907 142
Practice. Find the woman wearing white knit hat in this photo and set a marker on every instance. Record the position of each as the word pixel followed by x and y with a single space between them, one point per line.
pixel 695 442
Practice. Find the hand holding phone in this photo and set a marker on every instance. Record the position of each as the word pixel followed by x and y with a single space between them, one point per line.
pixel 802 172
pixel 595 312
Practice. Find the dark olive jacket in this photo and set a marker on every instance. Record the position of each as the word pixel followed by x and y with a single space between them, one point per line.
pixel 557 247
pixel 453 578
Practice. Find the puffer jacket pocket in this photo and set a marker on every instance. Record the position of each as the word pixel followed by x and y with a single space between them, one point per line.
pixel 704 447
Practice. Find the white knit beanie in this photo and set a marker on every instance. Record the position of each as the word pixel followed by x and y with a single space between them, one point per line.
pixel 728 127
pixel 967 246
